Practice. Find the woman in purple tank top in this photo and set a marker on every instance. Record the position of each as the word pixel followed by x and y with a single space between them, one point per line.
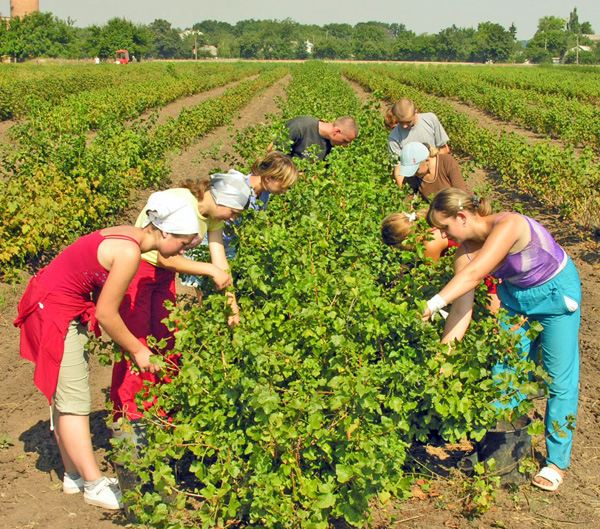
pixel 540 282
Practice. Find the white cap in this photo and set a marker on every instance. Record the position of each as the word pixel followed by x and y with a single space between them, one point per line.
pixel 171 214
pixel 413 154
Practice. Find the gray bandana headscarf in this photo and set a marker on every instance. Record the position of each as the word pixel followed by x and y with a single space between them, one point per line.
pixel 230 190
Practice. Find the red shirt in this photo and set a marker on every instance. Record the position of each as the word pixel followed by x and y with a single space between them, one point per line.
pixel 57 295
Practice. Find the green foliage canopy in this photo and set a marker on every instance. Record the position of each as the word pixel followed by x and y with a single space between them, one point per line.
pixel 35 35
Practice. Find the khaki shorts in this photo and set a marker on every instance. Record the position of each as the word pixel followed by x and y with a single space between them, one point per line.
pixel 73 389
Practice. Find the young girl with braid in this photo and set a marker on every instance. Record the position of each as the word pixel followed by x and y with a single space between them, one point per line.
pixel 396 227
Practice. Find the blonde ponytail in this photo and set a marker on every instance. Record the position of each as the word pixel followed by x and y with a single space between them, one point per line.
pixel 451 200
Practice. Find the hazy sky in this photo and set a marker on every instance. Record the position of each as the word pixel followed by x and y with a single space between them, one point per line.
pixel 418 16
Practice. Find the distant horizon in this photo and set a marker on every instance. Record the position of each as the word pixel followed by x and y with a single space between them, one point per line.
pixel 437 15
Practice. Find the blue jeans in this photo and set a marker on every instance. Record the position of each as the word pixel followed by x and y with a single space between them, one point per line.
pixel 556 305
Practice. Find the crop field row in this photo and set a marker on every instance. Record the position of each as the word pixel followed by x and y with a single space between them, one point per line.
pixel 576 83
pixel 97 90
pixel 558 177
pixel 304 414
pixel 574 121
pixel 58 182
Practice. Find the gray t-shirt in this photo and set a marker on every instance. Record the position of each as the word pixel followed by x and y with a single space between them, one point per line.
pixel 304 132
pixel 427 130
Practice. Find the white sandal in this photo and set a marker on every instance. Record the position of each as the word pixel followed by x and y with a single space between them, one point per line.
pixel 551 475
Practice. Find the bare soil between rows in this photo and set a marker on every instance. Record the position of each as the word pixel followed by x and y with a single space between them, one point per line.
pixel 30 467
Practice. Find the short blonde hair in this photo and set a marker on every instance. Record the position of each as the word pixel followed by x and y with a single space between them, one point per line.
pixel 276 166
pixel 404 109
pixel 396 226
pixel 347 125
pixel 451 201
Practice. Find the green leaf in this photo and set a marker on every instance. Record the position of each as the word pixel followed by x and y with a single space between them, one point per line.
pixel 344 473
pixel 325 501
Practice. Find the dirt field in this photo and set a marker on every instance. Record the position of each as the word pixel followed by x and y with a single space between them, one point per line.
pixel 30 467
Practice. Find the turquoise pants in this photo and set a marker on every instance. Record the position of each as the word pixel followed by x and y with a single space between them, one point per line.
pixel 556 305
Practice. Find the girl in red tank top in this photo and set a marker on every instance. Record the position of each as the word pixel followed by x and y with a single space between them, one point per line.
pixel 60 298
pixel 396 227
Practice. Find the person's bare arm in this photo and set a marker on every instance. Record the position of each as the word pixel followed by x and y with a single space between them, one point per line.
pixel 124 258
pixel 234 319
pixel 399 179
pixel 183 265
pixel 462 308
pixel 218 257
pixel 459 318
pixel 395 151
pixel 216 247
pixel 444 149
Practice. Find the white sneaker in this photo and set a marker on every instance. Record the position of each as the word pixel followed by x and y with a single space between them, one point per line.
pixel 72 486
pixel 105 493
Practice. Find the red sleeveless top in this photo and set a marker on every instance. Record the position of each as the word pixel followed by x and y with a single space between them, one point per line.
pixel 76 270
pixel 57 295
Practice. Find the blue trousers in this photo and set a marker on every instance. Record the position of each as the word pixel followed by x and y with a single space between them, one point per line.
pixel 556 305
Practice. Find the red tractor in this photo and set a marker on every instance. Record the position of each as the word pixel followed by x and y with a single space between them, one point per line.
pixel 122 57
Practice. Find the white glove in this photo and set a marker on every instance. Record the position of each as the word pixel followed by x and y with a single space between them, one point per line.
pixel 435 305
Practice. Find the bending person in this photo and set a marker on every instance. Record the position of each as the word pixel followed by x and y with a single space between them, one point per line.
pixel 414 127
pixel 213 200
pixel 272 174
pixel 54 314
pixel 540 282
pixel 396 227
pixel 428 171
pixel 305 131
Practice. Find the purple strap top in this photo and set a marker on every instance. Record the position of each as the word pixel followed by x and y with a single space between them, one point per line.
pixel 535 264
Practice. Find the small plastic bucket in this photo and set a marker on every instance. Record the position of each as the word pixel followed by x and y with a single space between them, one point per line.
pixel 508 443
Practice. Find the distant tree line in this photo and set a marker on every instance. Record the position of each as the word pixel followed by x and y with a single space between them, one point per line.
pixel 559 38
pixel 44 35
